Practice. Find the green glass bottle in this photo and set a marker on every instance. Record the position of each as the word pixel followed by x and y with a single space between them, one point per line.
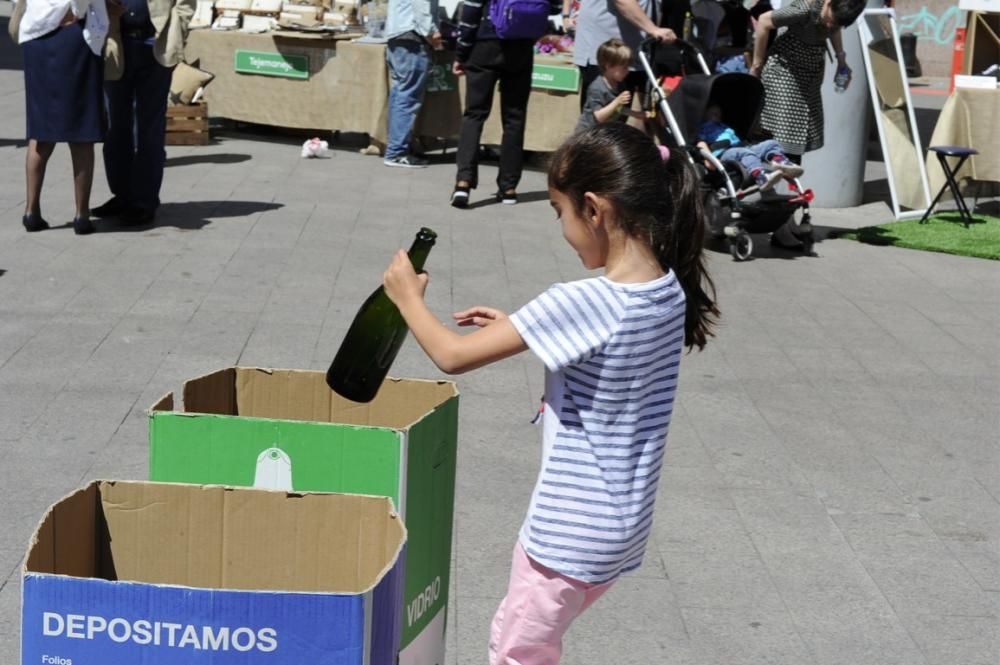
pixel 374 338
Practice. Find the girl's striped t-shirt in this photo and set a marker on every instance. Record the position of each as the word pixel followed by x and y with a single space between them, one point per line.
pixel 612 353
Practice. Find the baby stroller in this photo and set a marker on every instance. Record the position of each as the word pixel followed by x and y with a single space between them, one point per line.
pixel 735 206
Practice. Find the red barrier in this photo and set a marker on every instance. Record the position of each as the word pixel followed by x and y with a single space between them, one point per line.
pixel 957 57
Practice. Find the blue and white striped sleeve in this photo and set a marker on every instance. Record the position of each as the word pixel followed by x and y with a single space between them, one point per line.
pixel 567 324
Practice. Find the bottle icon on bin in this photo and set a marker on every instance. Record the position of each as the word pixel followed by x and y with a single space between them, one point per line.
pixel 274 470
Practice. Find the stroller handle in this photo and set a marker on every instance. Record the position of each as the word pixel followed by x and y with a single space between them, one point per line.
pixel 649 44
pixel 648 47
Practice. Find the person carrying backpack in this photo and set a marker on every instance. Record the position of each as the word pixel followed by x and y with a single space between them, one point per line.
pixel 496 45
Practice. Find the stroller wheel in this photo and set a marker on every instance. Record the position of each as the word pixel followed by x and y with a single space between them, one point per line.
pixel 741 246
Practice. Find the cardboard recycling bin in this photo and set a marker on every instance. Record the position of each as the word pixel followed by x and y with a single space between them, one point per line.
pixel 158 574
pixel 286 429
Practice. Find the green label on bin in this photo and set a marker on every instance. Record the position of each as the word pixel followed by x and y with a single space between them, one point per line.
pixel 555 77
pixel 271 64
pixel 415 467
pixel 440 79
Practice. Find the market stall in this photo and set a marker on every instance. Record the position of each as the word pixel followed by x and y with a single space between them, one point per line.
pixel 969 118
pixel 325 81
pixel 971 115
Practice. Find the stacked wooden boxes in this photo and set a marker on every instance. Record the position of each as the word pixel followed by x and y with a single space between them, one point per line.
pixel 187 124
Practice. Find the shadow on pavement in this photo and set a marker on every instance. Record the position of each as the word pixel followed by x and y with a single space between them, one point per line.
pixel 531 197
pixel 762 248
pixel 217 158
pixel 190 216
pixel 527 197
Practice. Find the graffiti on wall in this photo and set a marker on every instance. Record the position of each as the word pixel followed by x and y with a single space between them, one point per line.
pixel 927 25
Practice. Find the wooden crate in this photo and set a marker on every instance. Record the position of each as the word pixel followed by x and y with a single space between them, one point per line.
pixel 187 124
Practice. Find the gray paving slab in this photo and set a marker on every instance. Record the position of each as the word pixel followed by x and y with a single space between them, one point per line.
pixel 955 639
pixel 744 636
pixel 10 603
pixel 831 489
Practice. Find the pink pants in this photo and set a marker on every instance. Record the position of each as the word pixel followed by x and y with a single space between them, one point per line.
pixel 539 607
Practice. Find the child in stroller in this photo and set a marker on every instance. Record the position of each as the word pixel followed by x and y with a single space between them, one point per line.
pixel 734 202
pixel 764 161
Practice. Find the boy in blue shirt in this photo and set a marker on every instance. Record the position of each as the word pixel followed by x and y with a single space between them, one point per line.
pixel 765 161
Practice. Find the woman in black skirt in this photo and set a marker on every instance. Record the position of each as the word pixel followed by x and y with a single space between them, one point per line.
pixel 793 72
pixel 63 89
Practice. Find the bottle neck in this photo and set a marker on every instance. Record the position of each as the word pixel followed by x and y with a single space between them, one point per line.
pixel 419 250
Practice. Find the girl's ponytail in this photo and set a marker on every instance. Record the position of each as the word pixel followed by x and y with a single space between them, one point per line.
pixel 683 250
pixel 622 164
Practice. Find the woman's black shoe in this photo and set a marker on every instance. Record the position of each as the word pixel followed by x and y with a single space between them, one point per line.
pixel 32 224
pixel 82 226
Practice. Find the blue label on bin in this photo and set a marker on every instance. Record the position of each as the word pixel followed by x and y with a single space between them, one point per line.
pixel 76 621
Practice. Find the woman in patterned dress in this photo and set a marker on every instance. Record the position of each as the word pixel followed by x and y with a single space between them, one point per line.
pixel 793 72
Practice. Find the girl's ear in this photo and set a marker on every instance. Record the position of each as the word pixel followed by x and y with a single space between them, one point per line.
pixel 594 208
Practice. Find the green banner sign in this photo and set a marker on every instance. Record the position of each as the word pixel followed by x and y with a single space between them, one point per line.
pixel 272 64
pixel 441 79
pixel 555 77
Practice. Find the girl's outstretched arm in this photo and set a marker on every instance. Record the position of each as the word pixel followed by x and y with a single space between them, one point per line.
pixel 495 340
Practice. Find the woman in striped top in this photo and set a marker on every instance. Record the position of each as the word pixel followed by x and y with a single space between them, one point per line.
pixel 611 346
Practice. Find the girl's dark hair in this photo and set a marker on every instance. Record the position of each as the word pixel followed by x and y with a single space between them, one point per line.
pixel 655 201
pixel 846 12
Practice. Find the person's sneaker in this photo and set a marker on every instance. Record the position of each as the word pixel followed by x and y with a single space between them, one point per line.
pixel 406 162
pixel 788 169
pixel 766 179
pixel 460 197
pixel 507 198
pixel 110 208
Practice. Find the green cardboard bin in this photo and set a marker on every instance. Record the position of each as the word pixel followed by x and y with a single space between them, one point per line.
pixel 285 429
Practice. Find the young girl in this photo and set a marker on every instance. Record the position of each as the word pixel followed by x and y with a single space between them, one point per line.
pixel 611 346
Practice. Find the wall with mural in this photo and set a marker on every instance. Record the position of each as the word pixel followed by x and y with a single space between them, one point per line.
pixel 934 22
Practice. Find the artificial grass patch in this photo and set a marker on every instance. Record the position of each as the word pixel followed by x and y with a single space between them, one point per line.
pixel 943 232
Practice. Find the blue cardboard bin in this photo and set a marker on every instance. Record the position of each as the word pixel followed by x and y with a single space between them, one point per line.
pixel 138 573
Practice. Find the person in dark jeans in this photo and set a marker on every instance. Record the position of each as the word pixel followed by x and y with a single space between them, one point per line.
pixel 134 152
pixel 486 60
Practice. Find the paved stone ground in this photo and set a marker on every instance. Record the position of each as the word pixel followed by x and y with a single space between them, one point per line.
pixel 832 480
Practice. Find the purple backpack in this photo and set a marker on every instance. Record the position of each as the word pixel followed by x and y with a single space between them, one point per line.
pixel 520 19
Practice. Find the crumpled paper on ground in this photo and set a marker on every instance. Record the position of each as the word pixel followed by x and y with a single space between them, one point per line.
pixel 314 147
